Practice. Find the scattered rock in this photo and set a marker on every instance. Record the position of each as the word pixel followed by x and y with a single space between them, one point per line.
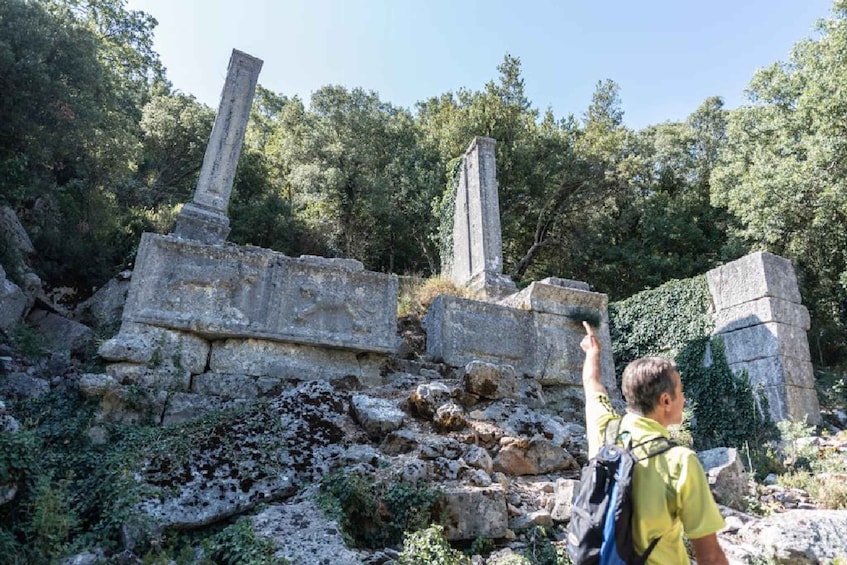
pixel 726 475
pixel 490 381
pixel 376 415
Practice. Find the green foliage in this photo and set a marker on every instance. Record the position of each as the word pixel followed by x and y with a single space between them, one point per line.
pixel 780 172
pixel 673 321
pixel 429 547
pixel 53 520
pixel 660 322
pixel 373 513
pixel 237 544
pixel 27 342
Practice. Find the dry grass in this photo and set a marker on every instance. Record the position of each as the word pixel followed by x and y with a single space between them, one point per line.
pixel 416 294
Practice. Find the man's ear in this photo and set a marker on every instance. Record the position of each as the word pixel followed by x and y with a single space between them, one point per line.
pixel 665 400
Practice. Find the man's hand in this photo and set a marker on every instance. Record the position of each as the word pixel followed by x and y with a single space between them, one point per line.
pixel 591 373
pixel 589 343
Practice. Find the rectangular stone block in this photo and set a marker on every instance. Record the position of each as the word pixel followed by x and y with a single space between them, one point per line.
pixel 230 386
pixel 460 331
pixel 561 300
pixel 475 512
pixel 759 311
pixel 770 371
pixel 766 340
pixel 558 357
pixel 788 385
pixel 269 359
pixel 229 291
pixel 752 277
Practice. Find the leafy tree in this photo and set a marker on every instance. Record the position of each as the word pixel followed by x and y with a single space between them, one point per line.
pixel 783 174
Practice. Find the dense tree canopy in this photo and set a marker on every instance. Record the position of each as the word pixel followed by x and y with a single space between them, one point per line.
pixel 96 147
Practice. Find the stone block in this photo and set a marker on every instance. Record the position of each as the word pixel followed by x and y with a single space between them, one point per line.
pixel 157 347
pixel 565 493
pixel 557 299
pixel 460 331
pixel 237 386
pixel 772 375
pixel 727 479
pixel 475 512
pixel 766 340
pixel 13 303
pixel 230 291
pixel 271 359
pixel 760 311
pixel 60 332
pixel 752 277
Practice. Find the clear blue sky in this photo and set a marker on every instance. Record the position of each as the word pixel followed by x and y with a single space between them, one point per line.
pixel 666 55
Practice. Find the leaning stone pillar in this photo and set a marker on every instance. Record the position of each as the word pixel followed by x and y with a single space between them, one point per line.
pixel 205 218
pixel 477 260
pixel 759 315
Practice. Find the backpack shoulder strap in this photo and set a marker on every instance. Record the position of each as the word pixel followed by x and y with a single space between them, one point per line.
pixel 612 432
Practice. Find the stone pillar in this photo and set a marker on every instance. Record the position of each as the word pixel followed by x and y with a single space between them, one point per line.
pixel 205 218
pixel 477 245
pixel 759 315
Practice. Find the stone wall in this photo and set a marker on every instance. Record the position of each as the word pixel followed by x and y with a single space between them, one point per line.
pixel 759 315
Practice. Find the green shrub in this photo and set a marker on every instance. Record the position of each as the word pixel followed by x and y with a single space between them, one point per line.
pixel 429 547
pixel 373 513
pixel 237 544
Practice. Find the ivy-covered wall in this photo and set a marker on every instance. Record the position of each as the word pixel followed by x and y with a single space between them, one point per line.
pixel 674 321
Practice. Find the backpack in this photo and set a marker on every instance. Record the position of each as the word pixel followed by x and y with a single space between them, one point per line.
pixel 600 530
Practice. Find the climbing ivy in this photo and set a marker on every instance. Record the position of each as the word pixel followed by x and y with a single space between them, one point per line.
pixel 673 321
pixel 446 208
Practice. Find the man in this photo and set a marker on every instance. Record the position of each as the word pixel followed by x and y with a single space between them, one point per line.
pixel 670 490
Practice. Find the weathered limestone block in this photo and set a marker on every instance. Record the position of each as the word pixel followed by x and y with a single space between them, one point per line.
pixel 526 521
pixel 763 310
pixel 13 302
pixel 11 228
pixel 450 417
pixel 60 332
pixel 105 307
pixel 230 291
pixel 727 479
pixel 426 398
pixel 766 340
pixel 794 401
pixel 237 386
pixel 318 539
pixel 537 330
pixel 537 456
pixel 460 331
pixel 377 416
pixel 491 381
pixel 472 512
pixel 478 457
pixel 292 361
pixel 799 537
pixel 565 493
pixel 752 277
pixel 185 406
pixel 157 347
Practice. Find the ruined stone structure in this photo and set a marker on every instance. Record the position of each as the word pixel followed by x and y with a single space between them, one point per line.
pixel 477 260
pixel 536 330
pixel 205 318
pixel 759 315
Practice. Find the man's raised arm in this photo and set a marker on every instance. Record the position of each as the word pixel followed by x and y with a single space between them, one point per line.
pixel 591 374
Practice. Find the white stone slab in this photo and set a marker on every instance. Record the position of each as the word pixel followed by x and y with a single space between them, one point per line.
pixel 752 277
pixel 766 309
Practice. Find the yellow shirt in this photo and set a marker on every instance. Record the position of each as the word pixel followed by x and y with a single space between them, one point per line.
pixel 670 491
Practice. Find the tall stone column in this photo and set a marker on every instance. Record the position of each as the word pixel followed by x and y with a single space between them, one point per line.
pixel 759 315
pixel 205 218
pixel 477 245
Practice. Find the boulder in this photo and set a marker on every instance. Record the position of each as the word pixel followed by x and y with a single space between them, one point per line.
pixel 104 308
pixel 450 417
pixel 14 232
pixel 318 540
pixel 13 302
pixel 726 475
pixel 518 456
pixel 377 416
pixel 61 333
pixel 799 537
pixel 21 386
pixel 475 512
pixel 490 381
pixel 565 493
pixel 428 397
